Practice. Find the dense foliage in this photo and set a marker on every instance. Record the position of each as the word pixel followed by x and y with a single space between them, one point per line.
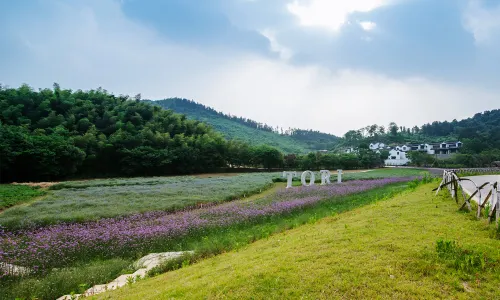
pixel 51 134
pixel 480 136
pixel 365 159
pixel 63 244
pixel 255 133
pixel 487 158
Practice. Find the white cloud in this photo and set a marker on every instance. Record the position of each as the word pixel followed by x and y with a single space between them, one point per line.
pixel 368 26
pixel 331 14
pixel 87 46
pixel 483 23
pixel 284 52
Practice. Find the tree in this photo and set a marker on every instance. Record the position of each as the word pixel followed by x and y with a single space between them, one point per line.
pixel 381 130
pixel 393 128
pixel 268 157
pixel 373 130
pixel 420 158
pixel 54 133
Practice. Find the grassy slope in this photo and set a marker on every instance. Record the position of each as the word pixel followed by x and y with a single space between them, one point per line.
pixel 384 250
pixel 209 243
pixel 234 130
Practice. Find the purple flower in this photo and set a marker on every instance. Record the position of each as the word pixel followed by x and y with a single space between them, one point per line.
pixel 60 245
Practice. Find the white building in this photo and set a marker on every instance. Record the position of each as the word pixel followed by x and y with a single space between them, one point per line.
pixel 351 150
pixel 377 146
pixel 397 157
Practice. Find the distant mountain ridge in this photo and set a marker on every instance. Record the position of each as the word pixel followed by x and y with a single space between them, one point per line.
pixel 250 131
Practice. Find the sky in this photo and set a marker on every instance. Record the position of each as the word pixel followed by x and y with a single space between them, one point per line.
pixel 327 65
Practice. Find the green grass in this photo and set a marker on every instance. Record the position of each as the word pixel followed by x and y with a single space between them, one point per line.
pixel 94 199
pixel 13 194
pixel 370 174
pixel 384 173
pixel 389 249
pixel 233 130
pixel 209 242
pixel 64 281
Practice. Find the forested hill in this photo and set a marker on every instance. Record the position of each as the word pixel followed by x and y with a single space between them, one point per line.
pixel 478 134
pixel 51 134
pixel 252 132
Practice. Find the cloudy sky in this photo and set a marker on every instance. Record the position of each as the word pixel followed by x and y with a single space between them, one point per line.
pixel 329 65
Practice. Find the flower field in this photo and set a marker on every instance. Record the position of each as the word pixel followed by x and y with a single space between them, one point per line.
pixel 61 245
pixel 81 201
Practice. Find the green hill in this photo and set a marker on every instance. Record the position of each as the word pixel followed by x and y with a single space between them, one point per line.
pixel 252 132
pixel 478 133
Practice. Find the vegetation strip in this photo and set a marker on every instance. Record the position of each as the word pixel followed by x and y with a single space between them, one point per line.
pixel 104 198
pixel 206 243
pixel 390 249
pixel 59 245
pixel 13 194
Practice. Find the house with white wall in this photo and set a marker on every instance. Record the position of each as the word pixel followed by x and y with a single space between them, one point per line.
pixel 377 146
pixel 350 150
pixel 397 157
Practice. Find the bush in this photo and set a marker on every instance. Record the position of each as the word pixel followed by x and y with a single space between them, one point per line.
pixel 466 261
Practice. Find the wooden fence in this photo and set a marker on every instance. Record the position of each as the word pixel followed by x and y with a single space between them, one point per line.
pixel 453 183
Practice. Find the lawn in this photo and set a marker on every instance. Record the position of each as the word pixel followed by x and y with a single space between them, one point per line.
pixel 382 173
pixel 413 246
pixel 102 198
pixel 13 194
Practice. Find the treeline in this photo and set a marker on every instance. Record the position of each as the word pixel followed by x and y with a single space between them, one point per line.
pixel 316 139
pixel 392 134
pixel 485 159
pixel 55 133
pixel 478 134
pixel 365 159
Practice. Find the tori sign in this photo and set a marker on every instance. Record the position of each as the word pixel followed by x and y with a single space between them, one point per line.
pixel 325 177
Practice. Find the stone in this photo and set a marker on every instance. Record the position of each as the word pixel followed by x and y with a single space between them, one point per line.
pixel 143 265
pixel 14 270
pixel 155 259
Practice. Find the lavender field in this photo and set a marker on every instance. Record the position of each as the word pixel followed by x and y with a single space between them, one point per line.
pixel 64 244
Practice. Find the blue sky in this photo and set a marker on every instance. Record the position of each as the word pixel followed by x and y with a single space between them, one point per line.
pixel 321 64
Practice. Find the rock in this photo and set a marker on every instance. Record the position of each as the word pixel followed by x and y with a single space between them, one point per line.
pixel 70 297
pixel 141 273
pixel 97 289
pixel 143 265
pixel 14 270
pixel 155 259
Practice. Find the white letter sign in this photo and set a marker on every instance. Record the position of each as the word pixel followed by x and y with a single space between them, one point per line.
pixel 303 178
pixel 325 177
pixel 339 177
pixel 289 176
